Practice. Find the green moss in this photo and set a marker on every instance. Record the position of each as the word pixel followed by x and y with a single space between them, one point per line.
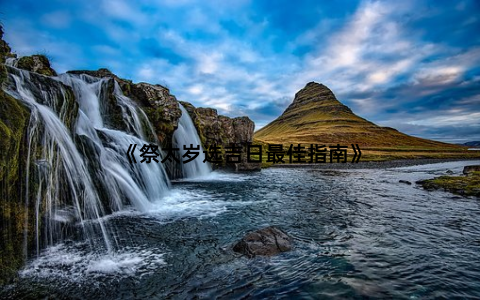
pixel 462 185
pixel 36 63
pixel 13 121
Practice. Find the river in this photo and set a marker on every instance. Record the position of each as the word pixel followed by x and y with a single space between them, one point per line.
pixel 357 234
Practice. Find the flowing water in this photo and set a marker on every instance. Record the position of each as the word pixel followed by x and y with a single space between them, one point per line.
pixel 80 174
pixel 357 234
pixel 186 137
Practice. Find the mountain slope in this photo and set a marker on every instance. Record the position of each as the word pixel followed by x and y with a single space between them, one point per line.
pixel 316 116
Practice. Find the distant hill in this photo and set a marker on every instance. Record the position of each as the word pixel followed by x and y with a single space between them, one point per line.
pixel 316 116
pixel 472 144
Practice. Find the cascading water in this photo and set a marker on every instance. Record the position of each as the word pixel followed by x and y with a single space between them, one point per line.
pixel 78 169
pixel 186 135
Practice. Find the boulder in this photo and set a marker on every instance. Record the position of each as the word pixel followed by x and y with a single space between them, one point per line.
pixel 470 169
pixel 248 167
pixel 405 181
pixel 264 242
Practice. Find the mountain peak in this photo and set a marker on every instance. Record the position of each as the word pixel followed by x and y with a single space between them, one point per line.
pixel 316 116
pixel 315 92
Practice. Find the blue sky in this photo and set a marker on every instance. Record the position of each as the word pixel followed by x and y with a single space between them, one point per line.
pixel 411 65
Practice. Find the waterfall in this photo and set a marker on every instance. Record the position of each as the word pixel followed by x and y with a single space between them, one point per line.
pixel 186 135
pixel 78 170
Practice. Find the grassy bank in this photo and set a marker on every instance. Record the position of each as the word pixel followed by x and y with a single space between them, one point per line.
pixel 385 154
pixel 468 185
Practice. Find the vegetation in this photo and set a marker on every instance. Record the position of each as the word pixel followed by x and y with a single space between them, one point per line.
pixel 468 185
pixel 317 117
pixel 36 63
pixel 13 121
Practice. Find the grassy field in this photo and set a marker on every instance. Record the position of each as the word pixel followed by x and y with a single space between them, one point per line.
pixel 384 154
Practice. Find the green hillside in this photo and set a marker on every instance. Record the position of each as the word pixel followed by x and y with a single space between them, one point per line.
pixel 316 116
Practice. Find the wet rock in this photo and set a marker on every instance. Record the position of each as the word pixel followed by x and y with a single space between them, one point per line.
pixel 450 172
pixel 264 242
pixel 161 107
pixel 405 181
pixel 470 169
pixel 248 167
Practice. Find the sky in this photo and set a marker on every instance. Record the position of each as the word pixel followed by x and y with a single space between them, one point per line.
pixel 411 65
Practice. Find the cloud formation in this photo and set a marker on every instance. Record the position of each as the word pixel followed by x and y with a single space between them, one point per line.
pixel 411 65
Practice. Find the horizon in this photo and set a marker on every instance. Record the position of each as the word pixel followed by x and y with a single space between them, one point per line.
pixel 252 63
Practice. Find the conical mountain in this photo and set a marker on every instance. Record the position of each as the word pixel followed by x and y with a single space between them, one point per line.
pixel 316 116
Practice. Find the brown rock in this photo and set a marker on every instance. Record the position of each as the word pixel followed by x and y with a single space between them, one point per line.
pixel 264 242
pixel 215 129
pixel 248 167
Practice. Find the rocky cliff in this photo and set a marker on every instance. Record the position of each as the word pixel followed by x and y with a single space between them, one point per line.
pixel 215 129
pixel 163 111
pixel 14 118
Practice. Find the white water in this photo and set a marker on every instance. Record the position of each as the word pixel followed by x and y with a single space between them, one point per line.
pixel 82 173
pixel 186 135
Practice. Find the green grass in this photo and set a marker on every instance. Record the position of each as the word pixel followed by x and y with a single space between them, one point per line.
pixel 463 185
pixel 317 117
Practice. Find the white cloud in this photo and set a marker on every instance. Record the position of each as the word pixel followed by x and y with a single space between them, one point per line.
pixel 57 19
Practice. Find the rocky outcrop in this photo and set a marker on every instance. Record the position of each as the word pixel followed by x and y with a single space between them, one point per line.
pixel 5 52
pixel 159 105
pixel 36 64
pixel 215 129
pixel 264 242
pixel 470 169
pixel 220 130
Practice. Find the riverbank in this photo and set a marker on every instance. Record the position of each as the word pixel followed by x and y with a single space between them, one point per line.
pixel 465 185
pixel 374 164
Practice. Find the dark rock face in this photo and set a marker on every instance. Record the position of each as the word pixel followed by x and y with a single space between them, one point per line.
pixel 470 169
pixel 14 119
pixel 220 130
pixel 405 181
pixel 37 64
pixel 264 242
pixel 5 52
pixel 215 129
pixel 161 107
pixel 248 167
